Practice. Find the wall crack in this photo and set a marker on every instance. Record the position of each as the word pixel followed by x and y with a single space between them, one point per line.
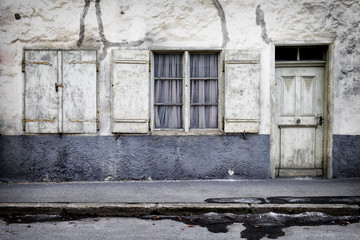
pixel 106 44
pixel 260 21
pixel 221 14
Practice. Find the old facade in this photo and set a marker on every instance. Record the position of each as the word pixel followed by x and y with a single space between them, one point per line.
pixel 195 89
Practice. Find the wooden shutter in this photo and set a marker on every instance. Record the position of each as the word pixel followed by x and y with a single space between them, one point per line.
pixel 41 98
pixel 130 91
pixel 79 91
pixel 242 77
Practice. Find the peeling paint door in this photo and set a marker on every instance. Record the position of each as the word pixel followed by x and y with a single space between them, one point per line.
pixel 299 119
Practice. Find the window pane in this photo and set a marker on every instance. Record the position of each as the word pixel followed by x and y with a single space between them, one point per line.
pixel 168 65
pixel 204 91
pixel 168 90
pixel 204 117
pixel 286 53
pixel 312 53
pixel 203 65
pixel 168 117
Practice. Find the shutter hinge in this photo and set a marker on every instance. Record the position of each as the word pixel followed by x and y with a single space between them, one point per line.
pixel 223 66
pixel 149 125
pixel 86 62
pixel 117 136
pixel 57 86
pixel 149 66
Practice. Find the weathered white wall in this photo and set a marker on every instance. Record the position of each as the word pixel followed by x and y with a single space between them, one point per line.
pixel 146 24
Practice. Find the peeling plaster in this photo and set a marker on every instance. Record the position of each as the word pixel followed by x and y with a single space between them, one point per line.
pixel 260 21
pixel 223 22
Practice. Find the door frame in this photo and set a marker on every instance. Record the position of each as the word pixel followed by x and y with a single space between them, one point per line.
pixel 328 103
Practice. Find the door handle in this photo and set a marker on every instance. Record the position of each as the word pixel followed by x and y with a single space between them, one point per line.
pixel 321 120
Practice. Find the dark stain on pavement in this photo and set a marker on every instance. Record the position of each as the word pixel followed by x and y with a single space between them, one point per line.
pixel 258 226
pixel 26 219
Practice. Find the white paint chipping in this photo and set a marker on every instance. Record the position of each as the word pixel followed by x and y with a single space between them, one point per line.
pixel 176 24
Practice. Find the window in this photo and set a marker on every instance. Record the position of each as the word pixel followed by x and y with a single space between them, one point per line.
pixel 307 53
pixel 185 91
pixel 204 90
pixel 171 94
pixel 60 91
pixel 168 95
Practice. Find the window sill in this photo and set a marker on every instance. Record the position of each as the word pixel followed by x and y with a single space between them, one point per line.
pixel 193 132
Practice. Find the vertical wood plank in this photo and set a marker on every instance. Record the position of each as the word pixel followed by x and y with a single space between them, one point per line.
pixel 79 92
pixel 41 99
pixel 242 83
pixel 130 91
pixel 186 93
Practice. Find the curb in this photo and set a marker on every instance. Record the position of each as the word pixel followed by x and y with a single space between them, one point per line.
pixel 143 209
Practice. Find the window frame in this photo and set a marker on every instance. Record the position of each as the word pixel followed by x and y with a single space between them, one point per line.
pixel 186 82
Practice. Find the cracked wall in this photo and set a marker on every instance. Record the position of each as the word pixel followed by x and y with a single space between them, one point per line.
pixel 206 24
pixel 210 24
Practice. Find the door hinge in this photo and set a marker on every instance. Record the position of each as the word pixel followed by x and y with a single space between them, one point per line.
pixel 34 62
pixel 86 62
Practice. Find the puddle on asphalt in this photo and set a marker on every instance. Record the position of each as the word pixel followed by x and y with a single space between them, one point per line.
pixel 258 226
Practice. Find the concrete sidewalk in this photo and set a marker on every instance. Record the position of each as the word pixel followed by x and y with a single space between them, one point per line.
pixel 137 198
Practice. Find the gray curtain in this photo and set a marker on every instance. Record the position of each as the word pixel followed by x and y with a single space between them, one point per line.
pixel 204 91
pixel 168 91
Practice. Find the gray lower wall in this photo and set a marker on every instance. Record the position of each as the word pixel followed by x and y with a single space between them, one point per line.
pixel 35 158
pixel 346 156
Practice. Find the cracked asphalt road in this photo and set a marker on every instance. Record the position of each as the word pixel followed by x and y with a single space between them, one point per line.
pixel 207 226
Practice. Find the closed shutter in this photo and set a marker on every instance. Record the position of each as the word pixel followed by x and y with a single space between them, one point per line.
pixel 79 91
pixel 130 91
pixel 242 78
pixel 41 98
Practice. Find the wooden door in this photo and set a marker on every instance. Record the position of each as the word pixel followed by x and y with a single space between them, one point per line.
pixel 299 118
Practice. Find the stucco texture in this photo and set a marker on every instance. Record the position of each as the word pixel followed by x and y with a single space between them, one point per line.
pixel 78 158
pixel 105 25
pixel 346 156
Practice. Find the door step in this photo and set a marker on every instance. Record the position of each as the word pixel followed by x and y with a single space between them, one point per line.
pixel 299 172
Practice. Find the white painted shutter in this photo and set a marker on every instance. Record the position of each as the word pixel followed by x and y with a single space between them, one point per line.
pixel 130 91
pixel 79 91
pixel 41 98
pixel 242 77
